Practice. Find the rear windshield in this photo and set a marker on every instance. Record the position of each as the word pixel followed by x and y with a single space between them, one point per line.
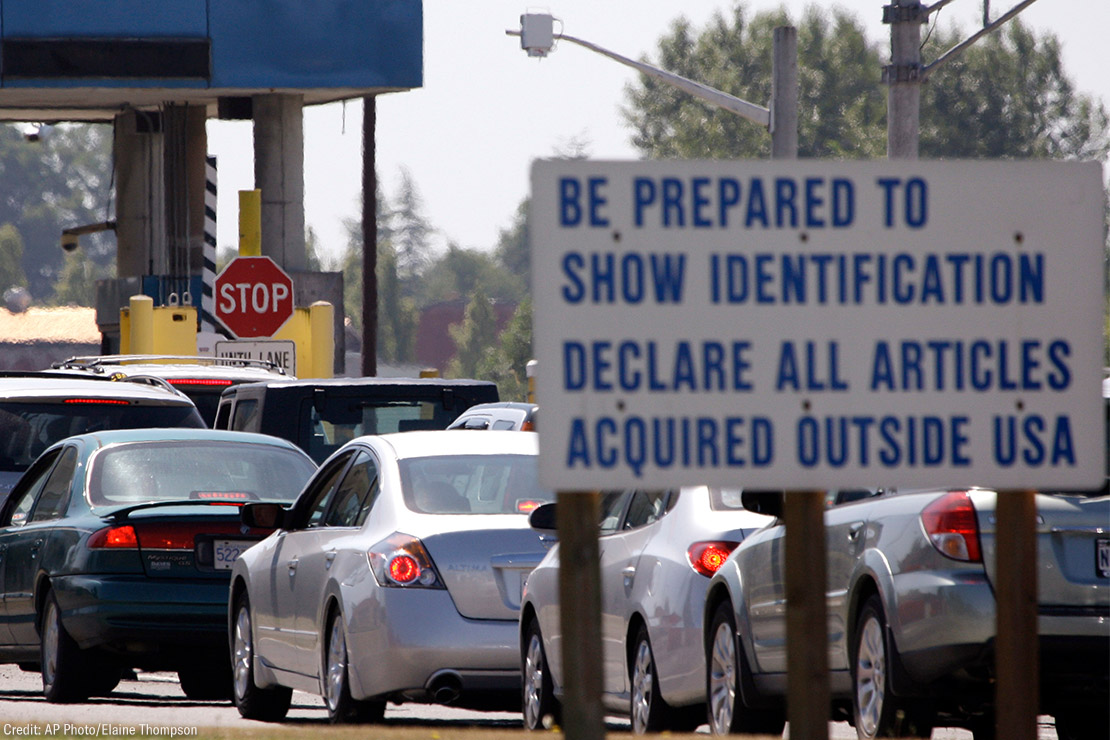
pixel 196 471
pixel 27 429
pixel 342 419
pixel 473 484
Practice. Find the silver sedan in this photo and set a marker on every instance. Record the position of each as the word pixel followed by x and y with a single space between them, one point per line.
pixel 396 576
pixel 657 551
pixel 911 614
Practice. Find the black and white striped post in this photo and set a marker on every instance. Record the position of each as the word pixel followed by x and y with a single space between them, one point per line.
pixel 208 272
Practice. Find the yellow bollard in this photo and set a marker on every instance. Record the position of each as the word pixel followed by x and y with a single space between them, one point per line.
pixel 175 330
pixel 250 223
pixel 142 325
pixel 530 371
pixel 321 315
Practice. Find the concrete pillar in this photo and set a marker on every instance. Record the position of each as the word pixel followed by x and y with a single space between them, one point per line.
pixel 140 199
pixel 279 174
pixel 185 148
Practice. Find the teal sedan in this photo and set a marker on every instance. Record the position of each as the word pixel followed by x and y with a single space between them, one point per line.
pixel 116 550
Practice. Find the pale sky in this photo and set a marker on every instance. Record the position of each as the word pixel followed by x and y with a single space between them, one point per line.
pixel 486 109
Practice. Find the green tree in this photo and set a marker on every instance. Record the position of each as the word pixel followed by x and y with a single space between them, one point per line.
pixel 460 273
pixel 63 180
pixel 409 230
pixel 11 258
pixel 76 285
pixel 397 325
pixel 1006 96
pixel 474 337
pixel 841 105
pixel 507 364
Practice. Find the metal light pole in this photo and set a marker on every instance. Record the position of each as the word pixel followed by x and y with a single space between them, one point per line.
pixel 579 573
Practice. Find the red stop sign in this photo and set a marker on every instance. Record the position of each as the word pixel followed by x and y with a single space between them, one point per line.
pixel 254 297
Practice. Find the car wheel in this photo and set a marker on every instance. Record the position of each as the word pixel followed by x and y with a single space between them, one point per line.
pixel 539 700
pixel 647 708
pixel 726 668
pixel 103 675
pixel 253 702
pixel 878 712
pixel 64 678
pixel 337 689
pixel 207 682
pixel 1075 722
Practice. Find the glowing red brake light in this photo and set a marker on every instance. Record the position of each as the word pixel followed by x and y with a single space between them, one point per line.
pixel 708 557
pixel 404 569
pixel 99 401
pixel 200 381
pixel 114 538
pixel 952 526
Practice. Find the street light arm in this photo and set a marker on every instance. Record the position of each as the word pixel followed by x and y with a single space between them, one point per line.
pixel 744 109
pixel 963 45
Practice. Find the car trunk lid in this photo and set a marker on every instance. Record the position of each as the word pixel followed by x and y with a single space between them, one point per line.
pixel 1073 549
pixel 484 569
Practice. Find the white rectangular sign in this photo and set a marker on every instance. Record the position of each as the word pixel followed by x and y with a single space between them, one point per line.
pixel 281 352
pixel 818 324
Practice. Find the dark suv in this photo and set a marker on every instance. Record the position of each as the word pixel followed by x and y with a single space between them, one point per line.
pixel 39 409
pixel 321 415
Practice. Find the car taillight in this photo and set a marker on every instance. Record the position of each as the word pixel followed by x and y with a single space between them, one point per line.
pixel 952 526
pixel 114 538
pixel 199 381
pixel 161 536
pixel 400 560
pixel 98 401
pixel 708 557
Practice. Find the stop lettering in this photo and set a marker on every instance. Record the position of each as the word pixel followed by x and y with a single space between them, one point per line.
pixel 254 297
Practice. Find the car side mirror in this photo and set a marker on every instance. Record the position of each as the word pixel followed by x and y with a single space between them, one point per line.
pixel 763 502
pixel 263 515
pixel 543 518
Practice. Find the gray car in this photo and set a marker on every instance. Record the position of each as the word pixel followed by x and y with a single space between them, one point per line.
pixel 657 552
pixel 396 576
pixel 911 614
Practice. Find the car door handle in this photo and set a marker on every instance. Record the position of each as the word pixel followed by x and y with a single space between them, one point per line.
pixel 629 573
pixel 329 558
pixel 292 567
pixel 853 531
pixel 35 547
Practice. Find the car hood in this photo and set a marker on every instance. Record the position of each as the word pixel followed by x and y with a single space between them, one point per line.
pixel 485 569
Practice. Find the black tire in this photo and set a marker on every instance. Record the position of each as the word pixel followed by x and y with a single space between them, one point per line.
pixel 648 711
pixel 1075 722
pixel 207 682
pixel 877 712
pixel 337 688
pixel 538 702
pixel 253 702
pixel 103 675
pixel 726 670
pixel 64 664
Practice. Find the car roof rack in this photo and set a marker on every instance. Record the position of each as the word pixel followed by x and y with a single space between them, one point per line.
pixel 98 362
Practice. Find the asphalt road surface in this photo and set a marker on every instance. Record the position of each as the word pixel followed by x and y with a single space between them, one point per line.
pixel 155 700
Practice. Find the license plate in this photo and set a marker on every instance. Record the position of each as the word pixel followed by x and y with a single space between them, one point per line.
pixel 1102 558
pixel 226 552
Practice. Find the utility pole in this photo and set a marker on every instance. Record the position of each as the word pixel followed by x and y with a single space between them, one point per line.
pixel 903 76
pixel 369 238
